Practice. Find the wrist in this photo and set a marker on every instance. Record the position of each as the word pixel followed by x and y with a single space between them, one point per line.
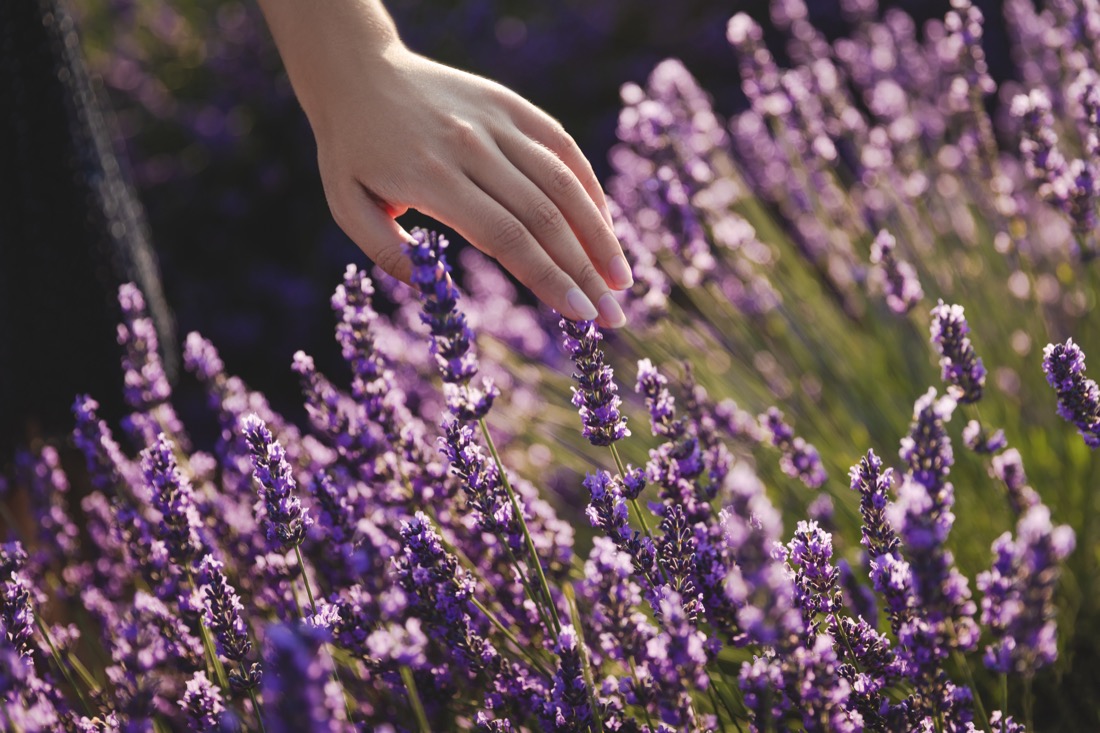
pixel 331 46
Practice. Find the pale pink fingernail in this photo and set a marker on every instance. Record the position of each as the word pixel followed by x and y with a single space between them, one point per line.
pixel 612 314
pixel 581 305
pixel 620 274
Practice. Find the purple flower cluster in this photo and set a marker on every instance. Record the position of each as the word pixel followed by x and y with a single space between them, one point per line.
pixel 899 279
pixel 960 368
pixel 798 459
pixel 596 394
pixel 1078 396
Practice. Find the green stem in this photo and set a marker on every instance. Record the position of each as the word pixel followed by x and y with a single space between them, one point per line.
pixel 1029 704
pixel 255 704
pixel 638 687
pixel 313 607
pixel 522 523
pixel 1004 693
pixel 586 669
pixel 725 703
pixel 414 700
pixel 960 660
pixel 636 506
pixel 208 644
pixel 523 649
pixel 61 664
pixel 305 579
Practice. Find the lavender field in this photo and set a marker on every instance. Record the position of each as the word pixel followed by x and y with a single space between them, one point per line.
pixel 837 473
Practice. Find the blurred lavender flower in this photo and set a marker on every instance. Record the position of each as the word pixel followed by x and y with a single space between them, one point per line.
pixel 1078 396
pixel 978 440
pixel 960 368
pixel 16 614
pixel 1019 593
pixel 201 704
pixel 662 407
pixel 898 277
pixel 596 394
pixel 1009 468
pixel 798 458
pixel 299 693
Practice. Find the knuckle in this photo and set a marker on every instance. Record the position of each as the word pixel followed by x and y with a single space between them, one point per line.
pixel 505 236
pixel 434 167
pixel 543 277
pixel 462 135
pixel 560 138
pixel 561 178
pixel 545 215
pixel 588 278
pixel 388 259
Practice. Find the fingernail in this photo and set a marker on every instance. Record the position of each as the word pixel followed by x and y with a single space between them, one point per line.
pixel 620 274
pixel 581 305
pixel 611 312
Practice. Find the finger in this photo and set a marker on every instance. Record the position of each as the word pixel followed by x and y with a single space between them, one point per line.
pixel 537 125
pixel 363 218
pixel 542 218
pixel 498 233
pixel 561 185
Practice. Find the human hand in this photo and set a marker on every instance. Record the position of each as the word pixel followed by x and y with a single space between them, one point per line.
pixel 396 130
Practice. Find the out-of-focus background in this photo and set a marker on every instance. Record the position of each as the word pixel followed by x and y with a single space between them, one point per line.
pixel 224 162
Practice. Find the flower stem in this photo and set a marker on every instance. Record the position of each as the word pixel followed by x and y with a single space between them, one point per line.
pixel 313 607
pixel 61 664
pixel 523 649
pixel 255 703
pixel 960 660
pixel 208 643
pixel 414 700
pixel 523 525
pixel 582 647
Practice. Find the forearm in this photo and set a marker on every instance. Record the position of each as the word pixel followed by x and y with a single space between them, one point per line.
pixel 328 45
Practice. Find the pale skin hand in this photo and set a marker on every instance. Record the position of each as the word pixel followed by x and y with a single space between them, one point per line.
pixel 396 131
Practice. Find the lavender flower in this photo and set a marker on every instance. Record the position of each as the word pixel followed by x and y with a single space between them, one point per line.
pixel 16 614
pixel 961 369
pixel 174 499
pixel 146 382
pixel 222 614
pixel 439 593
pixel 1019 593
pixel 1078 396
pixel 286 522
pixel 816 579
pixel 607 510
pixel 873 484
pixel 978 440
pixel 567 710
pixel 927 448
pixel 798 458
pixel 299 693
pixel 1009 468
pixel 482 484
pixel 662 407
pixel 596 394
pixel 202 704
pixel 899 279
